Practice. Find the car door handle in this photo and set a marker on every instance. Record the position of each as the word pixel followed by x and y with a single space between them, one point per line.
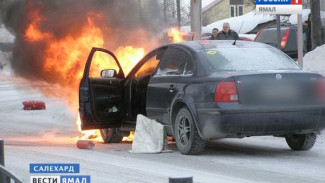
pixel 171 88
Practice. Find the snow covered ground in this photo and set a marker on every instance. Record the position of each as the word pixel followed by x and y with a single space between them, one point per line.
pixel 314 61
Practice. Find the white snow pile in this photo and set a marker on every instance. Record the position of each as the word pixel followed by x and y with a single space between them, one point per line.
pixel 314 61
pixel 5 61
pixel 249 20
pixel 305 13
pixel 149 136
pixel 5 35
pixel 5 38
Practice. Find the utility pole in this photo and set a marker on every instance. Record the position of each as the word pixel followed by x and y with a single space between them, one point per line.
pixel 315 23
pixel 178 3
pixel 196 23
pixel 165 11
pixel 278 31
pixel 300 41
pixel 3 177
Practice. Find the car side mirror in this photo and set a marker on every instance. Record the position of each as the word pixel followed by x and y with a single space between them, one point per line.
pixel 108 73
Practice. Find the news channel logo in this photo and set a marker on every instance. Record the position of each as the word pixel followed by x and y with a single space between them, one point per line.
pixel 279 7
pixel 39 172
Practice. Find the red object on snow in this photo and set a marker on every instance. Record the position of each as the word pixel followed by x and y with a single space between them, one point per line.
pixel 85 144
pixel 34 105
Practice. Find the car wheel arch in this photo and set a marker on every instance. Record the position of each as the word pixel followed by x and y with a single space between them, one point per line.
pixel 178 105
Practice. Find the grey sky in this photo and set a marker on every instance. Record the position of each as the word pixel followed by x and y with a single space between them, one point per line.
pixel 204 2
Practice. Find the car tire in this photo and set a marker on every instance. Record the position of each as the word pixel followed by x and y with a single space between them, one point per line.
pixel 300 142
pixel 111 135
pixel 188 140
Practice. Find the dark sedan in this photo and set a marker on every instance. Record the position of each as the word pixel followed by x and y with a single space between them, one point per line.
pixel 203 90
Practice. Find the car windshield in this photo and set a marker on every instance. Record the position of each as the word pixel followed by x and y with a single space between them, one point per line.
pixel 235 59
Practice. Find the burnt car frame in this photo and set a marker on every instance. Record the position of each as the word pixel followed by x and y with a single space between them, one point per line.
pixel 201 90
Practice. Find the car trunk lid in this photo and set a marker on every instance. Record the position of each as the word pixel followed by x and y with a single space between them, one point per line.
pixel 277 88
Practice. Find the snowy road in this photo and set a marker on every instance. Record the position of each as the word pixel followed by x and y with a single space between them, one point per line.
pixel 49 137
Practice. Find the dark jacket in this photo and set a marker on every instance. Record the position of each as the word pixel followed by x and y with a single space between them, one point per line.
pixel 232 35
pixel 307 30
pixel 213 38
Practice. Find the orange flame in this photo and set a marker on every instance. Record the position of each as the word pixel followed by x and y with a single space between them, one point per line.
pixel 88 134
pixel 66 57
pixel 176 36
pixel 129 138
pixel 32 32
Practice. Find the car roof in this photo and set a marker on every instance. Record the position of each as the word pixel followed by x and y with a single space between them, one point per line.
pixel 210 44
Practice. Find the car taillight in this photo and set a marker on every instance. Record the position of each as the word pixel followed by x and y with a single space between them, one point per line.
pixel 285 38
pixel 320 89
pixel 226 92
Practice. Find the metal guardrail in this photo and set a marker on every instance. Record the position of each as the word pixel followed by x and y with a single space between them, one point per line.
pixel 5 174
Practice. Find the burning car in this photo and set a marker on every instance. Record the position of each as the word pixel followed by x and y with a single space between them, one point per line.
pixel 201 90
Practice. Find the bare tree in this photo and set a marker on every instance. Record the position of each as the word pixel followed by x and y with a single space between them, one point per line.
pixel 315 23
pixel 165 12
pixel 249 2
pixel 176 11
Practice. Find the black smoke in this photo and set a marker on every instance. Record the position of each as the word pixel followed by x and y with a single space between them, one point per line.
pixel 129 22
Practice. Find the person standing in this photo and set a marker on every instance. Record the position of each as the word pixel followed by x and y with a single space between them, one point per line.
pixel 227 33
pixel 307 30
pixel 214 35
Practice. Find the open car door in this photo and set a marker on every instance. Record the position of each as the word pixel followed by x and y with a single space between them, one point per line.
pixel 100 91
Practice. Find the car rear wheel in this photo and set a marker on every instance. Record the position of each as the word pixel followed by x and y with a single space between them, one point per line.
pixel 111 135
pixel 301 141
pixel 187 138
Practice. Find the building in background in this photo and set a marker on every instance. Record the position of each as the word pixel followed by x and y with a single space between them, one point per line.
pixel 222 9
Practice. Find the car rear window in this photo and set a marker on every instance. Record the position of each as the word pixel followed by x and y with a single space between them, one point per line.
pixel 269 36
pixel 235 59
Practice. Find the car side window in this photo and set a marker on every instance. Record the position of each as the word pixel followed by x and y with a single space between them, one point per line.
pixel 150 65
pixel 189 69
pixel 101 61
pixel 173 63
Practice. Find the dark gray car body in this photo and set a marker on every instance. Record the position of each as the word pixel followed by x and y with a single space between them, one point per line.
pixel 160 96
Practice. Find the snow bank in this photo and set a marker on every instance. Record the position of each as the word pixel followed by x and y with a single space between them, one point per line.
pixel 251 20
pixel 305 13
pixel 149 136
pixel 314 61
pixel 5 35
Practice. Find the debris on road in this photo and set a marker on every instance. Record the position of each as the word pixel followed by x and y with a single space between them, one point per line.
pixel 150 136
pixel 85 144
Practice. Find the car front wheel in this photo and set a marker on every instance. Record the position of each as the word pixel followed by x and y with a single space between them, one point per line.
pixel 187 138
pixel 111 135
pixel 301 141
